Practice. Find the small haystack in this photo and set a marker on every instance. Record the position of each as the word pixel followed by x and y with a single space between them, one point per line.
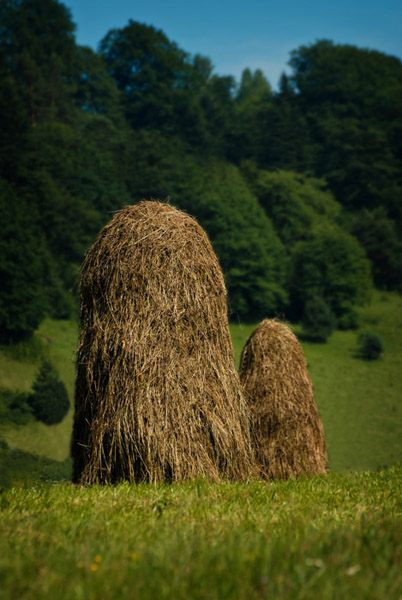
pixel 157 393
pixel 287 429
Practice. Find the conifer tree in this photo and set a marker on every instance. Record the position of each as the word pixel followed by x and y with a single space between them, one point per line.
pixel 49 400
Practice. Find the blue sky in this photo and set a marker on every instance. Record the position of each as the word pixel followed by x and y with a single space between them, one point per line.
pixel 253 33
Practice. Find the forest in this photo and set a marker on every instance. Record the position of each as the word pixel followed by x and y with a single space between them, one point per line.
pixel 299 189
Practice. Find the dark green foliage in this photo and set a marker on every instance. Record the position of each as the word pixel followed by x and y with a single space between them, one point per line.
pixel 49 400
pixel 23 300
pixel 370 345
pixel 38 36
pixel 318 321
pixel 14 407
pixel 325 263
pixel 95 91
pixel 157 167
pixel 378 235
pixel 252 104
pixel 216 100
pixel 269 128
pixel 251 255
pixel 351 100
pixel 13 121
pixel 31 279
pixel 253 87
pixel 333 266
pixel 349 319
pixel 287 139
pixel 155 76
pixel 69 202
pixel 294 202
pixel 72 202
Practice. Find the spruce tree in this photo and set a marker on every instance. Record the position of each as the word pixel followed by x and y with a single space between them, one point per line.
pixel 49 400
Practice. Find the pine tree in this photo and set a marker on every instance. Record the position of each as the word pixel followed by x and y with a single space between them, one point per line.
pixel 49 400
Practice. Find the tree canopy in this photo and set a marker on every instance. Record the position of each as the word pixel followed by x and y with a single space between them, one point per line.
pixel 298 188
pixel 330 265
pixel 352 101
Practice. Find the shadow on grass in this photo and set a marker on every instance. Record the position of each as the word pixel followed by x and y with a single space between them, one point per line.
pixel 312 339
pixel 19 467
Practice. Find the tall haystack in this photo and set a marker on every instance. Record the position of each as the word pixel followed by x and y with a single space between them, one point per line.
pixel 287 429
pixel 157 393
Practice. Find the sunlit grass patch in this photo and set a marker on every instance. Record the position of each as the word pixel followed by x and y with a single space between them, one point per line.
pixel 334 537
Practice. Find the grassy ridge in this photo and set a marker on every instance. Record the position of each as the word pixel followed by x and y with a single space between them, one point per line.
pixel 328 538
pixel 359 401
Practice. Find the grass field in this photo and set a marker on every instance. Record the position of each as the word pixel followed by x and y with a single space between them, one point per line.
pixel 59 342
pixel 325 538
pixel 359 401
pixel 335 537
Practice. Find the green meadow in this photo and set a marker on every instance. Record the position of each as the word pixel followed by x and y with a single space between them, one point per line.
pixel 359 401
pixel 328 538
pixel 331 538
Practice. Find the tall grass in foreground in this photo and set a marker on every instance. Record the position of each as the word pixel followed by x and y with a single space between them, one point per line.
pixel 329 538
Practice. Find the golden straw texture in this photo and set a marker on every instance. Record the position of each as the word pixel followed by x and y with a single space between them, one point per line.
pixel 157 393
pixel 287 429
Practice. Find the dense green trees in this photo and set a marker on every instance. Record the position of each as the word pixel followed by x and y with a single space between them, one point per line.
pixel 13 121
pixel 327 268
pixel 94 91
pixel 249 250
pixel 330 265
pixel 379 236
pixel 294 202
pixel 293 186
pixel 37 37
pixel 251 122
pixel 157 79
pixel 22 268
pixel 351 99
pixel 318 320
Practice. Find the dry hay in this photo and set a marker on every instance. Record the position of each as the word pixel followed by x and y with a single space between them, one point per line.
pixel 287 429
pixel 157 393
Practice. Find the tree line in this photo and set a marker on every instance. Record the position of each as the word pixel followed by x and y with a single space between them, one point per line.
pixel 299 189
